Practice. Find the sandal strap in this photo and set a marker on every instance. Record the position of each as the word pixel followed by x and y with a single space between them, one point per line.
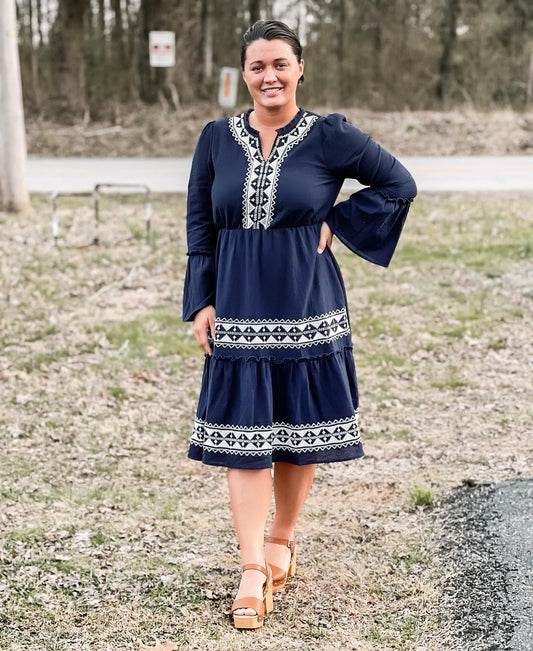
pixel 249 602
pixel 277 572
pixel 291 544
pixel 254 566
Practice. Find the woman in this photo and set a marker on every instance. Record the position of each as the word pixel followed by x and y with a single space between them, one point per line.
pixel 268 302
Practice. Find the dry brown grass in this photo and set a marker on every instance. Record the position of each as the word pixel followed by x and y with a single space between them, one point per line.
pixel 151 131
pixel 111 536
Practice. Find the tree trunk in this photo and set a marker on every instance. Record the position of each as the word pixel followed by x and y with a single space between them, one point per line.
pixel 149 19
pixel 448 40
pixel 254 7
pixel 34 61
pixel 39 22
pixel 529 83
pixel 117 35
pixel 70 16
pixel 342 89
pixel 131 32
pixel 132 73
pixel 377 43
pixel 101 30
pixel 13 184
pixel 207 39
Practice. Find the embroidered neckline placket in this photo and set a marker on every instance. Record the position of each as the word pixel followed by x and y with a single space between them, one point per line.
pixel 262 176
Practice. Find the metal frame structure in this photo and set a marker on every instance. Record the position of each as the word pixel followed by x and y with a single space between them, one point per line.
pixel 101 188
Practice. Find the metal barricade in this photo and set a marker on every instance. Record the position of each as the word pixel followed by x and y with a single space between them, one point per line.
pixel 100 188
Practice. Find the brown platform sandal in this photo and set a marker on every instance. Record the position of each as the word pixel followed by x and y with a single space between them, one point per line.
pixel 261 606
pixel 279 576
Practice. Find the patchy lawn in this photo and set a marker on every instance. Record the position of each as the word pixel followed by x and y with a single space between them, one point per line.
pixel 110 536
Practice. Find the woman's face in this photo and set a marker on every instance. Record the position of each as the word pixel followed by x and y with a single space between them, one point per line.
pixel 271 72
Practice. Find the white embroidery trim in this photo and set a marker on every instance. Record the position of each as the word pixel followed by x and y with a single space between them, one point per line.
pixel 263 440
pixel 270 333
pixel 262 176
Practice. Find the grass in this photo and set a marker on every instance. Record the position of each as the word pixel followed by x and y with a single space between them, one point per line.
pixel 449 379
pixel 111 536
pixel 421 495
pixel 160 332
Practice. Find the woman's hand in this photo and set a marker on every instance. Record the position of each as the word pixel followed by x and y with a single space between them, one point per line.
pixel 204 321
pixel 326 237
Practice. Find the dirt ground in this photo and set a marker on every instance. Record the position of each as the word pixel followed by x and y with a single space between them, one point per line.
pixel 110 536
pixel 152 131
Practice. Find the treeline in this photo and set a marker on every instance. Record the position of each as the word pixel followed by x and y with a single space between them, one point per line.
pixel 90 57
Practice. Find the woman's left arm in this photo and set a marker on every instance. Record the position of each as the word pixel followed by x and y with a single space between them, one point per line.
pixel 370 221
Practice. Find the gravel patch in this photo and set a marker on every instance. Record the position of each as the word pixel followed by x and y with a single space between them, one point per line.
pixel 488 548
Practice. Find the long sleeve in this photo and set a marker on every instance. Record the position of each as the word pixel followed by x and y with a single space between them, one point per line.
pixel 371 220
pixel 199 289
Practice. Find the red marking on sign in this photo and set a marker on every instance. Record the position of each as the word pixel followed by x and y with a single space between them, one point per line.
pixel 227 82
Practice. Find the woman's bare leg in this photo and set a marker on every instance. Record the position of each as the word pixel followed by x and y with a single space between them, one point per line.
pixel 250 494
pixel 291 487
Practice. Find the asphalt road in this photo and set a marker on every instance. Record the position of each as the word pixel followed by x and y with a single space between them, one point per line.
pixel 487 548
pixel 432 174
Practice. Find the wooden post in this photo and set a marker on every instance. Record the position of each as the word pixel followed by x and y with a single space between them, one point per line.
pixel 13 183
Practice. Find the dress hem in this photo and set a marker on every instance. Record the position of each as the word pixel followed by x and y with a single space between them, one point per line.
pixel 258 462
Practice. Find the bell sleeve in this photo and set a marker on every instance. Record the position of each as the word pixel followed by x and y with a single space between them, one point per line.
pixel 199 289
pixel 370 221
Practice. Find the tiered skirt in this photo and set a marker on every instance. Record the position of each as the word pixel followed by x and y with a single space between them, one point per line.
pixel 281 382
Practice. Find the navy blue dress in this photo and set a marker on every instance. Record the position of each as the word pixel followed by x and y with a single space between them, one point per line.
pixel 281 384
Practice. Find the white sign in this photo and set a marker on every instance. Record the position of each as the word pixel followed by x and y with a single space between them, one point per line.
pixel 162 47
pixel 227 90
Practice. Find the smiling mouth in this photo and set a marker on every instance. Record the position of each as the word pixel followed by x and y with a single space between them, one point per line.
pixel 272 91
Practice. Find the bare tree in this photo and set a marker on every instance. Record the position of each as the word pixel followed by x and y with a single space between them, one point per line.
pixel 207 39
pixel 448 40
pixel 69 33
pixel 13 185
pixel 91 56
pixel 529 82
pixel 254 7
pixel 117 34
pixel 341 49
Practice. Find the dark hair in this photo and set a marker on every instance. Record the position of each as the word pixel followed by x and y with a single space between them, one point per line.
pixel 270 30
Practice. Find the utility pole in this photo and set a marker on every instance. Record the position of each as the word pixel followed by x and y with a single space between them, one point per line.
pixel 13 183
